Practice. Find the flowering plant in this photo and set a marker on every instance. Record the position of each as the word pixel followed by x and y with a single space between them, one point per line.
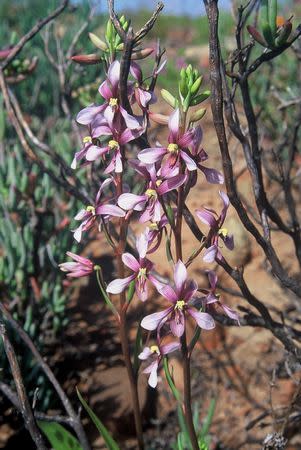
pixel 165 172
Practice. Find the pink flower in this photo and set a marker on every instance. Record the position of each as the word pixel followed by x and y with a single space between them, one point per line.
pixel 89 215
pixel 81 267
pixel 175 152
pixel 155 233
pixel 182 299
pixel 156 353
pixel 213 298
pixel 215 222
pixel 109 90
pixel 149 202
pixel 141 271
pixel 199 155
pixel 119 136
pixel 142 96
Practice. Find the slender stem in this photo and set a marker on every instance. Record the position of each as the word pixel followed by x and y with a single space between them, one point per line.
pixel 187 393
pixel 123 329
pixel 184 349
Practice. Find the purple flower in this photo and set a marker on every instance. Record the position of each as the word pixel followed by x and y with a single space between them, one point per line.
pixel 155 233
pixel 199 155
pixel 217 231
pixel 120 136
pixel 141 271
pixel 109 90
pixel 89 215
pixel 175 152
pixel 156 353
pixel 212 298
pixel 149 202
pixel 143 96
pixel 181 297
pixel 80 267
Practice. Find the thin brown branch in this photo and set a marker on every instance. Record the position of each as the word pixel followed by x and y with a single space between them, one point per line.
pixel 28 36
pixel 25 407
pixel 77 426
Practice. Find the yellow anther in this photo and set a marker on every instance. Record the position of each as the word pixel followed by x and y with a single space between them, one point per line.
pixel 91 209
pixel 113 101
pixel 180 304
pixel 173 148
pixel 154 226
pixel 223 232
pixel 155 349
pixel 113 144
pixel 87 139
pixel 142 272
pixel 151 193
pixel 158 182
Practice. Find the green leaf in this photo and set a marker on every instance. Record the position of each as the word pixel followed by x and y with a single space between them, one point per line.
pixel 59 437
pixel 111 443
pixel 130 292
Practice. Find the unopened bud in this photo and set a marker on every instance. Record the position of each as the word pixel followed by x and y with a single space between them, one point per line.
pixel 86 59
pixel 169 98
pixel 256 35
pixel 200 98
pixel 196 85
pixel 284 33
pixel 141 54
pixel 109 31
pixel 4 53
pixel 198 115
pixel 159 118
pixel 98 42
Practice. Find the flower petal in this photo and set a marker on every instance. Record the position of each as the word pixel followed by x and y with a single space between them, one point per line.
pixel 206 217
pixel 210 254
pixel 190 164
pixel 130 261
pixel 131 121
pixel 151 155
pixel 168 348
pixel 180 276
pixel 119 285
pixel 130 201
pixel 204 320
pixel 173 125
pixel 177 325
pixel 110 210
pixel 152 321
pixel 146 353
pixel 212 176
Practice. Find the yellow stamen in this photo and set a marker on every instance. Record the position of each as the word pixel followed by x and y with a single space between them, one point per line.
pixel 142 272
pixel 91 209
pixel 223 232
pixel 173 148
pixel 113 144
pixel 180 304
pixel 151 193
pixel 155 349
pixel 154 226
pixel 158 182
pixel 113 102
pixel 87 139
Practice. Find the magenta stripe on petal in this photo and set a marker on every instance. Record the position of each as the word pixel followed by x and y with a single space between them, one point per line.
pixel 130 261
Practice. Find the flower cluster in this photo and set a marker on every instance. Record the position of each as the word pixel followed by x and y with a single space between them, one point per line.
pixel 162 171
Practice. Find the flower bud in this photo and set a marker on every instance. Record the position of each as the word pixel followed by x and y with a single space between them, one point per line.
pixel 4 53
pixel 284 33
pixel 200 98
pixel 141 54
pixel 120 47
pixel 198 115
pixel 273 16
pixel 256 35
pixel 109 31
pixel 169 98
pixel 196 85
pixel 86 59
pixel 98 42
pixel 268 35
pixel 162 119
